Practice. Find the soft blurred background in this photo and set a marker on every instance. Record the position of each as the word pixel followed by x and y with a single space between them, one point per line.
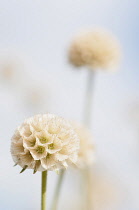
pixel 35 77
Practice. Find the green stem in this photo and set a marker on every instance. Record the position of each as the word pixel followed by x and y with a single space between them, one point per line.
pixel 43 190
pixel 57 190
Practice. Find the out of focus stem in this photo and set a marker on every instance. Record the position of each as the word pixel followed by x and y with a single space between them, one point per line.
pixel 88 98
pixel 88 184
pixel 57 190
pixel 87 122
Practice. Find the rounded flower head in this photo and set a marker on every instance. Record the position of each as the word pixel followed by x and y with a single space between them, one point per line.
pixel 95 49
pixel 86 151
pixel 45 142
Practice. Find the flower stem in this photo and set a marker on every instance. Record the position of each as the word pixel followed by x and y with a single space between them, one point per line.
pixel 43 190
pixel 87 121
pixel 88 98
pixel 57 190
pixel 89 203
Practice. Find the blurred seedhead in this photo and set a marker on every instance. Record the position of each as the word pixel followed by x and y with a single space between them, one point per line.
pixel 95 49
pixel 11 69
pixel 107 191
pixel 16 74
pixel 34 97
pixel 86 156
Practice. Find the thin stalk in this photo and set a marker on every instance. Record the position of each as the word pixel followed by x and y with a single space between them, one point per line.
pixel 43 190
pixel 57 190
pixel 88 98
pixel 89 203
pixel 87 121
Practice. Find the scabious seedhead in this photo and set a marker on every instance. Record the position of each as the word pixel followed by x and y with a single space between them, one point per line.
pixel 45 142
pixel 86 151
pixel 94 49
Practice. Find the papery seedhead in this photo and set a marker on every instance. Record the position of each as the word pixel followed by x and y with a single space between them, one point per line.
pixel 45 142
pixel 86 155
pixel 95 49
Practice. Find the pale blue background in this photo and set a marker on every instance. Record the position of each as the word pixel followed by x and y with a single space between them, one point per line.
pixel 42 30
